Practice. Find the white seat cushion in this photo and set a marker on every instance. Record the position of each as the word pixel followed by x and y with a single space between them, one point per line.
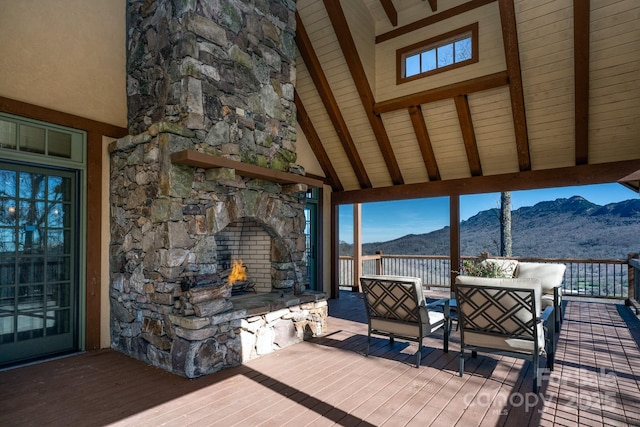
pixel 550 275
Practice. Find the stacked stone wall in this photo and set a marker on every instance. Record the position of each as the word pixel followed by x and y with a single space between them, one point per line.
pixel 165 218
pixel 224 69
pixel 216 77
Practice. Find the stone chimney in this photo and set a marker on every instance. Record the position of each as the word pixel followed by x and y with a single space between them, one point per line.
pixel 216 78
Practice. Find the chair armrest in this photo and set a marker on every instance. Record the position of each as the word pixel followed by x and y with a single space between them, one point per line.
pixel 444 303
pixel 548 312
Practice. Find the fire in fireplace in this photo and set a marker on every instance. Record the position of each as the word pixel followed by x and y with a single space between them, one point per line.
pixel 239 280
pixel 238 272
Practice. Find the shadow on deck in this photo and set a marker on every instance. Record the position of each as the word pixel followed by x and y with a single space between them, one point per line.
pixel 328 381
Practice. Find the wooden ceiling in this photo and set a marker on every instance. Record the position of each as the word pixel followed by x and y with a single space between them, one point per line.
pixel 554 99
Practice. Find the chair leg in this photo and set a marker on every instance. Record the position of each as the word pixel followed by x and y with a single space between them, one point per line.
pixel 535 373
pixel 419 355
pixel 368 344
pixel 557 315
pixel 551 345
pixel 461 362
pixel 447 331
pixel 391 339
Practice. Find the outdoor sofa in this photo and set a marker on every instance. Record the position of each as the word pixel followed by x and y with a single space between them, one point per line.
pixel 551 276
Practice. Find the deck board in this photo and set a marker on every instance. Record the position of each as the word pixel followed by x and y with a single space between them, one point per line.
pixel 328 381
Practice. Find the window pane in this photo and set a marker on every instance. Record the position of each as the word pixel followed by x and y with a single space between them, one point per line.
pixel 429 60
pixel 7 183
pixel 58 215
pixel 58 322
pixel 58 241
pixel 58 295
pixel 31 270
pixel 7 239
pixel 412 65
pixel 31 139
pixel 59 188
pixel 8 135
pixel 463 49
pixel 30 240
pixel 30 298
pixel 7 299
pixel 31 214
pixel 32 186
pixel 445 55
pixel 6 329
pixel 58 269
pixel 59 144
pixel 7 211
pixel 7 276
pixel 30 325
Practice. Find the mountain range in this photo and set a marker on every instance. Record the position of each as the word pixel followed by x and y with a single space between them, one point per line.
pixel 563 228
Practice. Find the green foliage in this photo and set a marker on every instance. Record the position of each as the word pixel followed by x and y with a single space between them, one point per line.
pixel 482 269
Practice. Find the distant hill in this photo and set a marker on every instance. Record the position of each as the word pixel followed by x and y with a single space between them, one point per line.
pixel 563 228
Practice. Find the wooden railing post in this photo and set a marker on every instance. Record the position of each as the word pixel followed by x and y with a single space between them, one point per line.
pixel 379 262
pixel 633 279
pixel 357 247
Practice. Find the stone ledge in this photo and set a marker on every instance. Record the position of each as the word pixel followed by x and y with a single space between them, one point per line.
pixel 256 304
pixel 258 324
pixel 246 306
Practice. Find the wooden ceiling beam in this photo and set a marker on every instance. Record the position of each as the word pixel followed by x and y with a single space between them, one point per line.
pixel 581 17
pixel 391 11
pixel 316 145
pixel 599 173
pixel 351 56
pixel 512 56
pixel 429 20
pixel 424 142
pixel 466 87
pixel 324 90
pixel 468 134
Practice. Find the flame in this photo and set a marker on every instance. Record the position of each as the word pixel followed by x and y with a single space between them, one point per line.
pixel 238 272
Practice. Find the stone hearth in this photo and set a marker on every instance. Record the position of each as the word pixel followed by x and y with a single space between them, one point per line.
pixel 214 78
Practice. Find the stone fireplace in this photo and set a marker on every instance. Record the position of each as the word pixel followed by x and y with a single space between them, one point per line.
pixel 208 175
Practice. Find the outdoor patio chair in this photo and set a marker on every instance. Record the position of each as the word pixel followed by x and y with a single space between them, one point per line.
pixel 396 307
pixel 503 317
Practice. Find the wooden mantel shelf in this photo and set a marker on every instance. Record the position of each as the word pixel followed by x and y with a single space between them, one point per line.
pixel 207 161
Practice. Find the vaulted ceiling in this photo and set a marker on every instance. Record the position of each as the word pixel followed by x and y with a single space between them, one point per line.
pixel 553 100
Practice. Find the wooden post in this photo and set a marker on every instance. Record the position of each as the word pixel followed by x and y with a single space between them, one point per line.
pixel 379 262
pixel 454 238
pixel 632 280
pixel 335 249
pixel 357 246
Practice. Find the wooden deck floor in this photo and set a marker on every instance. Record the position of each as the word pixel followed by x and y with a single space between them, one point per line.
pixel 327 381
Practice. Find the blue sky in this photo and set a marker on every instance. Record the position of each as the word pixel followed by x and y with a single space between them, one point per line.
pixel 385 221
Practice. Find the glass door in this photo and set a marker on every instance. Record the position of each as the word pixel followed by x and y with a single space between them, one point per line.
pixel 311 232
pixel 38 262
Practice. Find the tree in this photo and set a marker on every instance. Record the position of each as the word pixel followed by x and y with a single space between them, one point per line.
pixel 505 224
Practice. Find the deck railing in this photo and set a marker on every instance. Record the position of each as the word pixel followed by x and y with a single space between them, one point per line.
pixel 634 279
pixel 606 278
